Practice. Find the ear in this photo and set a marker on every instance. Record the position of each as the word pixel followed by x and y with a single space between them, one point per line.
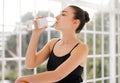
pixel 76 23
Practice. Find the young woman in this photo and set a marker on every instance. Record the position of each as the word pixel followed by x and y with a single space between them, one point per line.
pixel 67 56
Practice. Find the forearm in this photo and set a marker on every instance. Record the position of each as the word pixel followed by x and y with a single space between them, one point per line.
pixel 45 77
pixel 31 50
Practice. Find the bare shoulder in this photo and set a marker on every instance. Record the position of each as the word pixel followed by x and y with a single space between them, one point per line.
pixel 82 48
pixel 82 45
pixel 52 42
pixel 80 53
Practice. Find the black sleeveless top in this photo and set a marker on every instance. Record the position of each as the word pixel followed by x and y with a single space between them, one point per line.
pixel 54 62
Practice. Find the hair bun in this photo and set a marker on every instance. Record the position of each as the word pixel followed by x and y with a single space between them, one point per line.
pixel 86 16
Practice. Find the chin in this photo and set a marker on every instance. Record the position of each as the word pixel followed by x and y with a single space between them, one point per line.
pixel 57 28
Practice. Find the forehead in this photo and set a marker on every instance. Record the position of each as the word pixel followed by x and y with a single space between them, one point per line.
pixel 68 10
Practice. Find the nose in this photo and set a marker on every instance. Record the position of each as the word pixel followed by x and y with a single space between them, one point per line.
pixel 57 17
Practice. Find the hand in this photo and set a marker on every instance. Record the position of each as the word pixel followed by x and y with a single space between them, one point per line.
pixel 21 80
pixel 38 29
pixel 35 22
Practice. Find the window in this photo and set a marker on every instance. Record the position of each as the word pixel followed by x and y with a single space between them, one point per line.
pixel 16 28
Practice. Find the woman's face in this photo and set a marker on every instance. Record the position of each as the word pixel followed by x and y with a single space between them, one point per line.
pixel 65 21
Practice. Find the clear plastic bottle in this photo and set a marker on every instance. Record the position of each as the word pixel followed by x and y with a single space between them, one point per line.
pixel 46 21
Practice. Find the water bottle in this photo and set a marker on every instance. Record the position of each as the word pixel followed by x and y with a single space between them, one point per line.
pixel 46 21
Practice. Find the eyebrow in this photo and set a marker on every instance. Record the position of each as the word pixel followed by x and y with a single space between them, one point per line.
pixel 64 11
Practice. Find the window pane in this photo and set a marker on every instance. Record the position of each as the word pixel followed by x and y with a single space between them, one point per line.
pixel 41 6
pixel 41 68
pixel 52 7
pixel 117 22
pixel 117 3
pixel 1 43
pixel 106 44
pixel 11 46
pixel 11 71
pixel 25 41
pixel 106 81
pixel 117 44
pixel 27 14
pixel 1 29
pixel 55 34
pixel 0 70
pixel 98 81
pixel 93 1
pixel 1 13
pixel 9 29
pixel 106 21
pixel 98 21
pixel 0 51
pixel 43 40
pixel 89 26
pixel 29 8
pixel 118 80
pixel 90 43
pixel 98 44
pixel 81 36
pixel 90 68
pixel 98 68
pixel 106 67
pixel 26 71
pixel 11 12
pixel 117 64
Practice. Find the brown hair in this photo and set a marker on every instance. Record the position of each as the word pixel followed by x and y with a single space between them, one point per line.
pixel 82 15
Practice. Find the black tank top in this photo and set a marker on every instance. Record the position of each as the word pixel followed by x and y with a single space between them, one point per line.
pixel 54 62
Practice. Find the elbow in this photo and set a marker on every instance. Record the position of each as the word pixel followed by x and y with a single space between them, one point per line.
pixel 29 66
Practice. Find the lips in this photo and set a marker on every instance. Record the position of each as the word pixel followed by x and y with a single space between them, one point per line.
pixel 56 21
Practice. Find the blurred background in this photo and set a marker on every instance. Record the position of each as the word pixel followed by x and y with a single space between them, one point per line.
pixel 101 34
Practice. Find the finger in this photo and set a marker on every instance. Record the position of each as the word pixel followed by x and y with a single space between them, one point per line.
pixel 43 28
pixel 35 24
pixel 40 17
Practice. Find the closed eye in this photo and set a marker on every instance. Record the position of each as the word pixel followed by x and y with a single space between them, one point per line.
pixel 63 14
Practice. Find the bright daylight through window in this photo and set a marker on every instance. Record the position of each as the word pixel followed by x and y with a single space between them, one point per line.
pixel 101 34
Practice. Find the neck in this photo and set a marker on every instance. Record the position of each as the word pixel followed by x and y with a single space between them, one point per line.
pixel 68 38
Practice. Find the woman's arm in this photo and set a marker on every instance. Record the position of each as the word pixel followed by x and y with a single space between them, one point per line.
pixel 31 57
pixel 31 50
pixel 77 57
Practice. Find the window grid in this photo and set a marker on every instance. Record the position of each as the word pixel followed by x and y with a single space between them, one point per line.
pixel 86 32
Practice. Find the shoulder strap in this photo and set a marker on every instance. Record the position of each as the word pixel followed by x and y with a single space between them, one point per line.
pixel 55 43
pixel 74 47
